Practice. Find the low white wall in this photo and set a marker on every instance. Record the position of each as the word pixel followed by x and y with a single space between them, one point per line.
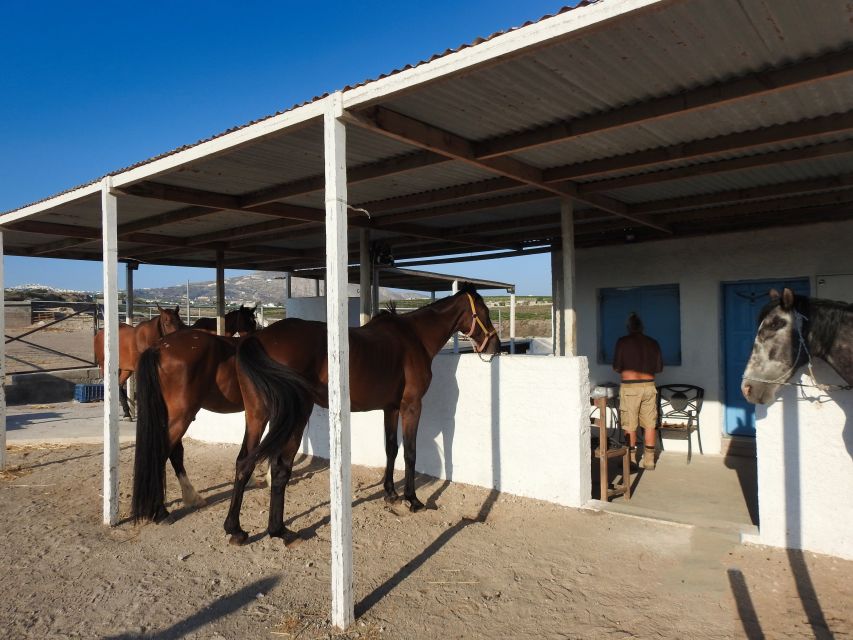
pixel 805 468
pixel 314 308
pixel 518 424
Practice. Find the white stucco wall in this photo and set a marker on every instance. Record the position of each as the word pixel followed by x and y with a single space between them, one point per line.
pixel 805 468
pixel 314 308
pixel 482 423
pixel 700 266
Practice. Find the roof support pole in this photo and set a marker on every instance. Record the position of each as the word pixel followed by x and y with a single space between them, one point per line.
pixel 220 293
pixel 455 290
pixel 2 361
pixel 567 222
pixel 364 272
pixel 512 321
pixel 558 345
pixel 130 267
pixel 338 341
pixel 375 295
pixel 109 215
pixel 288 285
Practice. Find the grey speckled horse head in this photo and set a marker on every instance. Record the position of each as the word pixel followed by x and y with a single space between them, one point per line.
pixel 791 330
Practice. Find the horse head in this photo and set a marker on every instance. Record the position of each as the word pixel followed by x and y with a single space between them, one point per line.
pixel 246 321
pixel 169 320
pixel 779 348
pixel 475 323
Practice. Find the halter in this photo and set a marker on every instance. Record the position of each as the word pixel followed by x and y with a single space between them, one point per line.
pixel 801 347
pixel 475 320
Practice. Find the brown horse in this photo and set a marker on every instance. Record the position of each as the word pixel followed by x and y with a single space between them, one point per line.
pixel 283 371
pixel 240 321
pixel 179 375
pixel 132 341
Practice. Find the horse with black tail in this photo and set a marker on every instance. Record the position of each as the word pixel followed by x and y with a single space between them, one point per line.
pixel 791 330
pixel 283 370
pixel 183 373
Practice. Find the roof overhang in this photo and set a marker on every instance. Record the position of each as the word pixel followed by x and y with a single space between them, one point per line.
pixel 656 118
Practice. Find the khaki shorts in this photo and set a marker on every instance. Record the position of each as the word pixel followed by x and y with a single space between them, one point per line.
pixel 638 404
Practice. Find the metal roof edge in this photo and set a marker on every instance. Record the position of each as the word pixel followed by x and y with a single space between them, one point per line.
pixel 513 42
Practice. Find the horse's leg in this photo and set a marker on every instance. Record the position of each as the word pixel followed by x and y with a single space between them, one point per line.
pixel 392 418
pixel 281 467
pixel 411 413
pixel 123 375
pixel 189 495
pixel 245 466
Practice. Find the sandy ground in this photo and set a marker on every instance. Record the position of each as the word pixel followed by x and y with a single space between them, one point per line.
pixel 475 565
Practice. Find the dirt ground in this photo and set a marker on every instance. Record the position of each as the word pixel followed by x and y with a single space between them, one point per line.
pixel 475 565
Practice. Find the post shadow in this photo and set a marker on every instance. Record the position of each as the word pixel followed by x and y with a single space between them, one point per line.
pixel 418 561
pixel 793 516
pixel 216 610
pixel 745 608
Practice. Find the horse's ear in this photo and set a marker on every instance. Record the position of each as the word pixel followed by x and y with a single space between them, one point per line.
pixel 787 299
pixel 242 306
pixel 255 307
pixel 177 309
pixel 159 308
pixel 774 295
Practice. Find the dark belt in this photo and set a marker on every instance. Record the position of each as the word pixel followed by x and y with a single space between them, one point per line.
pixel 636 381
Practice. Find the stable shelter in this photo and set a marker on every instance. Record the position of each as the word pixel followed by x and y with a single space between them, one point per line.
pixel 642 143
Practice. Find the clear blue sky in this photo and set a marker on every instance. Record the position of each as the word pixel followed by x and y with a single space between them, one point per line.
pixel 87 88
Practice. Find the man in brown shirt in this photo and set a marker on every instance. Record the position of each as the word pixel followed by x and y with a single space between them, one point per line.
pixel 637 359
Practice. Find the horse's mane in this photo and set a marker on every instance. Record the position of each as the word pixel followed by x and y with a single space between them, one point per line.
pixel 823 318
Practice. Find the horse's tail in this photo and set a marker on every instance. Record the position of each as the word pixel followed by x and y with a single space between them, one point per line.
pixel 285 393
pixel 152 440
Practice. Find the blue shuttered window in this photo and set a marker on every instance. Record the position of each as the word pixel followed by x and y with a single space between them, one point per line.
pixel 658 306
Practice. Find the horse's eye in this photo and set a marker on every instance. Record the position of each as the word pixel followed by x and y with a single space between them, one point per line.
pixel 776 323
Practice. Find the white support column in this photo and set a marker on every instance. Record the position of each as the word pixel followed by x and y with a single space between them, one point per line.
pixel 338 338
pixel 364 270
pixel 130 267
pixel 375 295
pixel 317 288
pixel 567 222
pixel 288 285
pixel 109 215
pixel 455 290
pixel 2 360
pixel 557 317
pixel 220 293
pixel 512 321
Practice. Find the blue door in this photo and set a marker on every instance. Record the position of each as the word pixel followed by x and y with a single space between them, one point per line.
pixel 742 302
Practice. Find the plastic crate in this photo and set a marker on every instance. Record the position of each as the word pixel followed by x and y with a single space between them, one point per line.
pixel 88 392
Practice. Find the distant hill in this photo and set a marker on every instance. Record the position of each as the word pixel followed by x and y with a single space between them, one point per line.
pixel 261 287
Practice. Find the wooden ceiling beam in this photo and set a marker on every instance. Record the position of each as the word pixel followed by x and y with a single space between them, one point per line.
pixel 753 85
pixel 743 195
pixel 380 169
pixel 708 168
pixel 405 129
pixel 741 141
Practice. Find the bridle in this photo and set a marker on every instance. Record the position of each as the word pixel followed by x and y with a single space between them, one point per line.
pixel 801 347
pixel 475 321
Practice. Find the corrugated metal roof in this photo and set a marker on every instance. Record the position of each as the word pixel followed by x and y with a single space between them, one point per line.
pixel 662 49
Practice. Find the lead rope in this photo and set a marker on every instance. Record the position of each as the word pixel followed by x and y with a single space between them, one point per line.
pixel 800 348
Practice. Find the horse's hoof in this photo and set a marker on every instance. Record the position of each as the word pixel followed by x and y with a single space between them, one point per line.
pixel 162 516
pixel 415 505
pixel 290 538
pixel 197 503
pixel 238 539
pixel 392 498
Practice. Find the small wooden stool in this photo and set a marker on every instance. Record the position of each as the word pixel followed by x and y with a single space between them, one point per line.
pixel 603 453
